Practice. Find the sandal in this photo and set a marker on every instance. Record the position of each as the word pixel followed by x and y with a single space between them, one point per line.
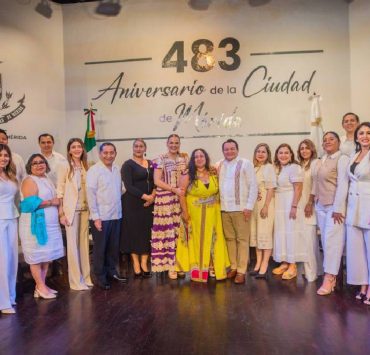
pixel 322 291
pixel 291 273
pixel 280 269
pixel 360 296
pixel 366 301
pixel 212 272
pixel 172 275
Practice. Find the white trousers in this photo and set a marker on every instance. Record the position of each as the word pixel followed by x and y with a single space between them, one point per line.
pixel 358 256
pixel 8 261
pixel 313 267
pixel 332 238
pixel 78 251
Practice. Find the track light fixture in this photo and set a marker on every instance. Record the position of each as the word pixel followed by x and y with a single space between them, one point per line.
pixel 108 7
pixel 44 8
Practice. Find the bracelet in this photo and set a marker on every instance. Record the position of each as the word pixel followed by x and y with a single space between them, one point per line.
pixel 294 206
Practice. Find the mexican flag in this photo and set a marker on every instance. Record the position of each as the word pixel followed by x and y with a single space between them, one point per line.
pixel 90 142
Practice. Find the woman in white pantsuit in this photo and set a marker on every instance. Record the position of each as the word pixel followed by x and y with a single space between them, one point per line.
pixel 289 241
pixel 8 231
pixel 74 215
pixel 330 189
pixel 307 157
pixel 358 215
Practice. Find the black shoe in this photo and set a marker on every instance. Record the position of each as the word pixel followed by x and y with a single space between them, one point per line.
pixel 137 275
pixel 119 278
pixel 253 272
pixel 104 286
pixel 261 276
pixel 146 274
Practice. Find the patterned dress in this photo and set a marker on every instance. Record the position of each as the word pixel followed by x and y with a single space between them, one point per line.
pixel 167 214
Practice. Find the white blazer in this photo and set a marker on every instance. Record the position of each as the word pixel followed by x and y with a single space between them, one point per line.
pixel 358 206
pixel 67 190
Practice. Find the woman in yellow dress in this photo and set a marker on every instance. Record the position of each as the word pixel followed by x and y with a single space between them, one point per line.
pixel 201 248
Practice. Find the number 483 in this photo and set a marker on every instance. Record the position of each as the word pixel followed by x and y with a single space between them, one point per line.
pixel 203 59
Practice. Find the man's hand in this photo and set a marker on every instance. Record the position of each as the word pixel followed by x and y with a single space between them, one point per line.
pixel 98 225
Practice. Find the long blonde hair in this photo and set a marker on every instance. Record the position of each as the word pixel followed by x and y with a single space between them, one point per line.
pixel 83 156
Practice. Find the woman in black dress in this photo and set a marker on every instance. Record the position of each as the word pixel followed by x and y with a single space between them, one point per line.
pixel 137 208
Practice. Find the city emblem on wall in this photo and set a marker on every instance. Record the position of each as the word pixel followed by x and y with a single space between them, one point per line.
pixel 10 107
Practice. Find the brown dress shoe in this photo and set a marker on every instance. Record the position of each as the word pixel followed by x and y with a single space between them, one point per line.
pixel 239 278
pixel 231 274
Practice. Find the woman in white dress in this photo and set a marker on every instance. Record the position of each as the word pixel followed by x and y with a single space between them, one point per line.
pixel 307 157
pixel 262 221
pixel 289 241
pixel 74 214
pixel 330 190
pixel 358 215
pixel 8 231
pixel 39 227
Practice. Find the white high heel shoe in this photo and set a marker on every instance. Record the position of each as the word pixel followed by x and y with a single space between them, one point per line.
pixel 38 294
pixel 10 310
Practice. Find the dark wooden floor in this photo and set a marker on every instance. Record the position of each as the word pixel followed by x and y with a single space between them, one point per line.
pixel 159 316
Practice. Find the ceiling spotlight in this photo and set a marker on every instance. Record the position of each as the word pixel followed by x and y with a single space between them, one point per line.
pixel 199 4
pixel 108 7
pixel 44 8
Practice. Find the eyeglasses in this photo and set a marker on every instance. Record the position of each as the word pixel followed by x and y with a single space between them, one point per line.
pixel 40 162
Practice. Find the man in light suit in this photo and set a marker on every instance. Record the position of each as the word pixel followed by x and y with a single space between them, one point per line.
pixel 238 193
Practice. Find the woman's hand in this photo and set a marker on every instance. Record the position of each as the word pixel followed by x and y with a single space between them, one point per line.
pixel 308 210
pixel 293 212
pixel 178 191
pixel 264 212
pixel 338 218
pixel 63 220
pixel 185 217
pixel 54 202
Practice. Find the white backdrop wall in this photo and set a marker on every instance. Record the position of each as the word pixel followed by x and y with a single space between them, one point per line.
pixel 45 60
pixel 148 29
pixel 31 52
pixel 359 16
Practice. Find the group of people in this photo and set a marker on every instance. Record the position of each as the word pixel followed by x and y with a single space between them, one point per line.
pixel 180 214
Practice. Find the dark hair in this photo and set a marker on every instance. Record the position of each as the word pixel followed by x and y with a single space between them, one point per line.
pixel 46 135
pixel 193 169
pixel 335 134
pixel 31 158
pixel 107 144
pixel 276 160
pixel 363 124
pixel 83 156
pixel 311 146
pixel 4 132
pixel 230 141
pixel 350 113
pixel 10 169
pixel 139 140
pixel 267 150
pixel 173 135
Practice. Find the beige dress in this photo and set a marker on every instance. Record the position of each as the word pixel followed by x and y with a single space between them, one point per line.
pixel 262 229
pixel 313 265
